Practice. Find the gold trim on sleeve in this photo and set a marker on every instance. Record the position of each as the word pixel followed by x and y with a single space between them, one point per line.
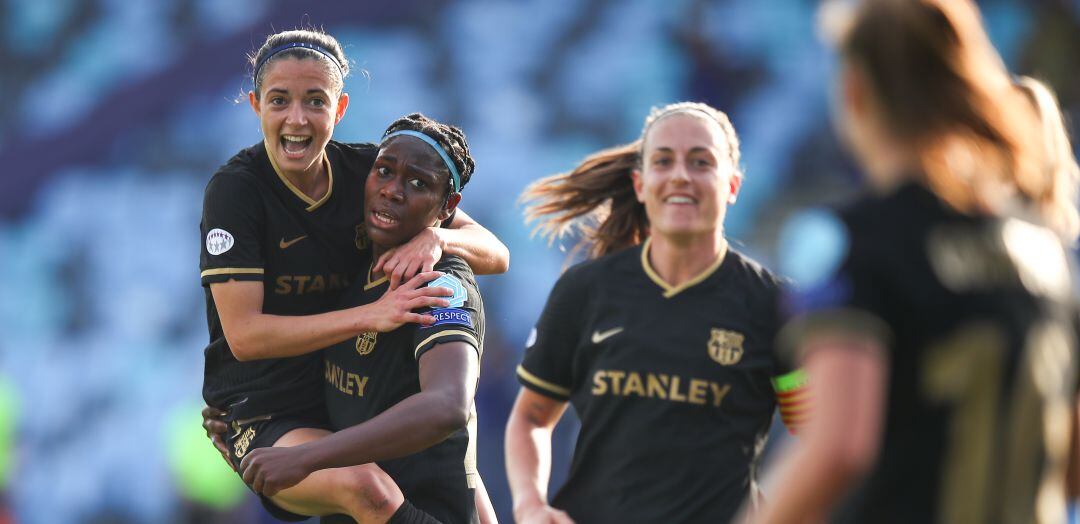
pixel 541 383
pixel 447 333
pixel 232 271
pixel 312 203
pixel 670 290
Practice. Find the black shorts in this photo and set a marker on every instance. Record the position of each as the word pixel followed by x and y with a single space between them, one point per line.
pixel 263 432
pixel 458 506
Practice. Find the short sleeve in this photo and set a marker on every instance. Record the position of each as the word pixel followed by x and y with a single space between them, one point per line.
pixel 549 353
pixel 462 320
pixel 843 292
pixel 232 230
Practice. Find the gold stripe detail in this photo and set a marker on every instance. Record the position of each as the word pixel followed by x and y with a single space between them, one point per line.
pixel 232 271
pixel 312 204
pixel 447 333
pixel 372 283
pixel 670 290
pixel 541 383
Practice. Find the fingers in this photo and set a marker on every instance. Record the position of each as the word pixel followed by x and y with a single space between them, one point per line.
pixel 223 448
pixel 383 259
pixel 246 471
pixel 426 301
pixel 423 278
pixel 412 268
pixel 395 279
pixel 428 266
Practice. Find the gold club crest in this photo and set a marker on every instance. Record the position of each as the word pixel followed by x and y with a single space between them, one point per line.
pixel 240 447
pixel 361 237
pixel 726 347
pixel 366 343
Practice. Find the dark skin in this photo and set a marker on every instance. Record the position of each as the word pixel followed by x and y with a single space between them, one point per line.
pixel 406 192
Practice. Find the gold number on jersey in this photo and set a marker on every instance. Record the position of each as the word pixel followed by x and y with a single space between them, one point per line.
pixel 992 465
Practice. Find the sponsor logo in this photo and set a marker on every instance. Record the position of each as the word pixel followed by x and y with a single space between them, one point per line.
pixel 285 245
pixel 451 316
pixel 455 285
pixel 726 347
pixel 600 336
pixel 365 343
pixel 219 241
pixel 362 241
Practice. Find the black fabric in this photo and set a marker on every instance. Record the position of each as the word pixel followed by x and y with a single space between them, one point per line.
pixel 306 256
pixel 409 514
pixel 672 388
pixel 263 432
pixel 977 316
pixel 371 373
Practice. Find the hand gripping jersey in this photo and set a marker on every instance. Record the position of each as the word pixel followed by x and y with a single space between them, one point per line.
pixel 367 375
pixel 672 385
pixel 257 226
pixel 978 318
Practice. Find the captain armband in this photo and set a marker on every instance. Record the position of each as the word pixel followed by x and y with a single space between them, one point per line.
pixel 793 396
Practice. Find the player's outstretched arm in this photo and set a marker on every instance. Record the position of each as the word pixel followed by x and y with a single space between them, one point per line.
pixel 254 335
pixel 448 375
pixel 528 456
pixel 840 442
pixel 464 237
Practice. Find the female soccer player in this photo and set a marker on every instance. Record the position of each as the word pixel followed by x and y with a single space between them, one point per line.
pixel 283 223
pixel 663 343
pixel 942 342
pixel 404 397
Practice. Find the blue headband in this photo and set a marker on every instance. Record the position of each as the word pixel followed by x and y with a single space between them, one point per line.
pixel 311 47
pixel 455 179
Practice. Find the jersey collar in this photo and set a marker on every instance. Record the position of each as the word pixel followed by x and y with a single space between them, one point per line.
pixel 312 204
pixel 373 283
pixel 670 290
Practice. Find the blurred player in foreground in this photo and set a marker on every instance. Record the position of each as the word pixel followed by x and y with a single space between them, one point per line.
pixel 942 341
pixel 663 343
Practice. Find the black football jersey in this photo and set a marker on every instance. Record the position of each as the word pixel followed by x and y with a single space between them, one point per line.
pixel 978 319
pixel 368 374
pixel 672 385
pixel 257 226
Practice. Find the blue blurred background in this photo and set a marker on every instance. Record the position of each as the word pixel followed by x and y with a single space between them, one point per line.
pixel 116 113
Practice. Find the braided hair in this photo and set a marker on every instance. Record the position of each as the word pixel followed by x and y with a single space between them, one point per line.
pixel 450 137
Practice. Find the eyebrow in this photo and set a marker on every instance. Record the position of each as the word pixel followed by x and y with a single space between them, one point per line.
pixel 286 91
pixel 415 168
pixel 695 149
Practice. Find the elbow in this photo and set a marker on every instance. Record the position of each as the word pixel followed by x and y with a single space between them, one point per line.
pixel 850 460
pixel 501 264
pixel 242 349
pixel 450 416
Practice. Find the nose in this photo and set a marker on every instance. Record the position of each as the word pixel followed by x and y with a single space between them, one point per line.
pixel 295 115
pixel 393 189
pixel 680 173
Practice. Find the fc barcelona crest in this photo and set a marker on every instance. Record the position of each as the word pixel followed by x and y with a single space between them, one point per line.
pixel 366 343
pixel 726 347
pixel 362 241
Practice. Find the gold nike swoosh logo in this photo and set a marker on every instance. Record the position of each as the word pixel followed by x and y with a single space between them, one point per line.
pixel 284 245
pixel 600 336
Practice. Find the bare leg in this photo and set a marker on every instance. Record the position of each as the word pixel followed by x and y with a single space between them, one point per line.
pixel 484 510
pixel 365 493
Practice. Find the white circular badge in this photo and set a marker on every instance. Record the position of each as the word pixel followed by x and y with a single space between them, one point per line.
pixel 219 241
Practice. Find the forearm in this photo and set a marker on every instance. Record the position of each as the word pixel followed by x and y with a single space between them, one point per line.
pixel 481 249
pixel 412 425
pixel 528 461
pixel 808 487
pixel 262 336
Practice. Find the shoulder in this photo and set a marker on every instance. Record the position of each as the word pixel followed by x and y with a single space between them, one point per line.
pixel 355 152
pixel 239 172
pixel 592 270
pixel 459 277
pixel 755 275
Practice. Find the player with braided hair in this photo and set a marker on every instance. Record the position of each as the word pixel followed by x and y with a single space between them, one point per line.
pixel 403 398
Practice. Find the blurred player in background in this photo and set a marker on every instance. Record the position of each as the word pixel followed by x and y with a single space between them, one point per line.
pixel 663 342
pixel 283 223
pixel 941 342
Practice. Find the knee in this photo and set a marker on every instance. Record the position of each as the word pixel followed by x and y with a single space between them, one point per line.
pixel 369 491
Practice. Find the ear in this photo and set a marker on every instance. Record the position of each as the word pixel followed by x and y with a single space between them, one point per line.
pixel 342 105
pixel 635 176
pixel 854 90
pixel 734 184
pixel 254 101
pixel 451 204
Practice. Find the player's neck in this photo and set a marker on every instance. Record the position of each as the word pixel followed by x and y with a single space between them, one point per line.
pixel 313 181
pixel 677 261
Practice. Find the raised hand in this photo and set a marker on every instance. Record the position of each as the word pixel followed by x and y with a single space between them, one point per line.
pixel 419 254
pixel 396 306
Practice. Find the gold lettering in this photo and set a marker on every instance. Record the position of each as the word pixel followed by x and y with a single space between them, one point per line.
pixel 335 281
pixel 697 391
pixel 599 386
pixel 675 395
pixel 616 381
pixel 283 287
pixel 301 280
pixel 719 392
pixel 361 383
pixel 328 373
pixel 656 389
pixel 633 385
pixel 318 284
